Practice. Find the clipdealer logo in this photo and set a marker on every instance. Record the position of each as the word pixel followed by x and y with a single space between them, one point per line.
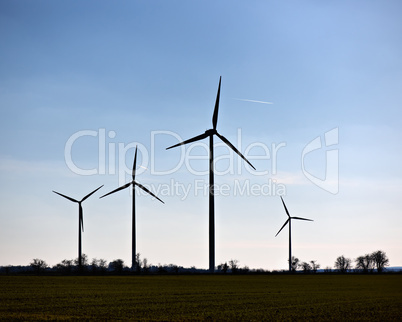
pixel 109 164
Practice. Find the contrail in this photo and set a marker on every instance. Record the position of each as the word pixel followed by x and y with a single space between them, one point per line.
pixel 253 101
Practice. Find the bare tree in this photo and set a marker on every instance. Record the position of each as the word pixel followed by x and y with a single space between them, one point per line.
pixel 380 260
pixel 365 263
pixel 145 266
pixel 223 267
pixel 233 263
pixel 39 265
pixel 162 269
pixel 117 266
pixel 94 265
pixel 66 266
pixel 98 265
pixel 102 265
pixel 138 263
pixel 294 264
pixel 342 264
pixel 306 267
pixel 84 261
pixel 174 268
pixel 315 266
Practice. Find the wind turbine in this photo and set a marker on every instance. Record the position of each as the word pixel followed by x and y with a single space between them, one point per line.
pixel 210 133
pixel 80 220
pixel 290 232
pixel 133 183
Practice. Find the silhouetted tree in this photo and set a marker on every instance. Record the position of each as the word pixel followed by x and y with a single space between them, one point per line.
pixel 365 263
pixel 306 267
pixel 327 269
pixel 38 265
pixel 145 266
pixel 314 266
pixel 98 265
pixel 102 265
pixel 117 266
pixel 295 264
pixel 94 265
pixel 223 267
pixel 233 263
pixel 66 266
pixel 174 268
pixel 84 259
pixel 380 260
pixel 138 263
pixel 342 264
pixel 161 269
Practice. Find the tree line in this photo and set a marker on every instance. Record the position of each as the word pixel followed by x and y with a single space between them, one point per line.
pixel 368 263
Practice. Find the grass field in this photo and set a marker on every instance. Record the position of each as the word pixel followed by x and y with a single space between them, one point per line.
pixel 252 297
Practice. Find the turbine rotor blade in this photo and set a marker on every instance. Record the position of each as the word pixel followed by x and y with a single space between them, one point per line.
pixel 90 194
pixel 215 116
pixel 287 212
pixel 135 163
pixel 146 190
pixel 301 218
pixel 196 138
pixel 67 197
pixel 282 227
pixel 233 148
pixel 81 217
pixel 118 189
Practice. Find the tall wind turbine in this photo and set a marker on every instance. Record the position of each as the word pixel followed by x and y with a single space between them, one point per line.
pixel 133 183
pixel 290 232
pixel 210 133
pixel 80 220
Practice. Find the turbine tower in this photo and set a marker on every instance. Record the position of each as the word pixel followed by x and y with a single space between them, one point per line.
pixel 133 183
pixel 80 220
pixel 210 133
pixel 290 232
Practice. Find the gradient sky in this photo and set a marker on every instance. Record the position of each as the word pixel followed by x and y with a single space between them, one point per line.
pixel 143 72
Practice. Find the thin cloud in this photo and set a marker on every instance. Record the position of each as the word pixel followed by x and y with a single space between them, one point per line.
pixel 253 101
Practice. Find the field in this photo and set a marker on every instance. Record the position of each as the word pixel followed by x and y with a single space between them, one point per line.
pixel 202 297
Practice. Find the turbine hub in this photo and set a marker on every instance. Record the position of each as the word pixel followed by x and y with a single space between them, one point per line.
pixel 211 132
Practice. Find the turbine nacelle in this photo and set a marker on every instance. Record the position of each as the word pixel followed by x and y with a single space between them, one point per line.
pixel 133 182
pixel 211 132
pixel 80 211
pixel 289 218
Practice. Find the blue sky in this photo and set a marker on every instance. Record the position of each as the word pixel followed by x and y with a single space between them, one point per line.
pixel 141 72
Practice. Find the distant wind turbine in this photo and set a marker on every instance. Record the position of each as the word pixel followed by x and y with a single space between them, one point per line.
pixel 133 183
pixel 290 232
pixel 80 220
pixel 210 133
